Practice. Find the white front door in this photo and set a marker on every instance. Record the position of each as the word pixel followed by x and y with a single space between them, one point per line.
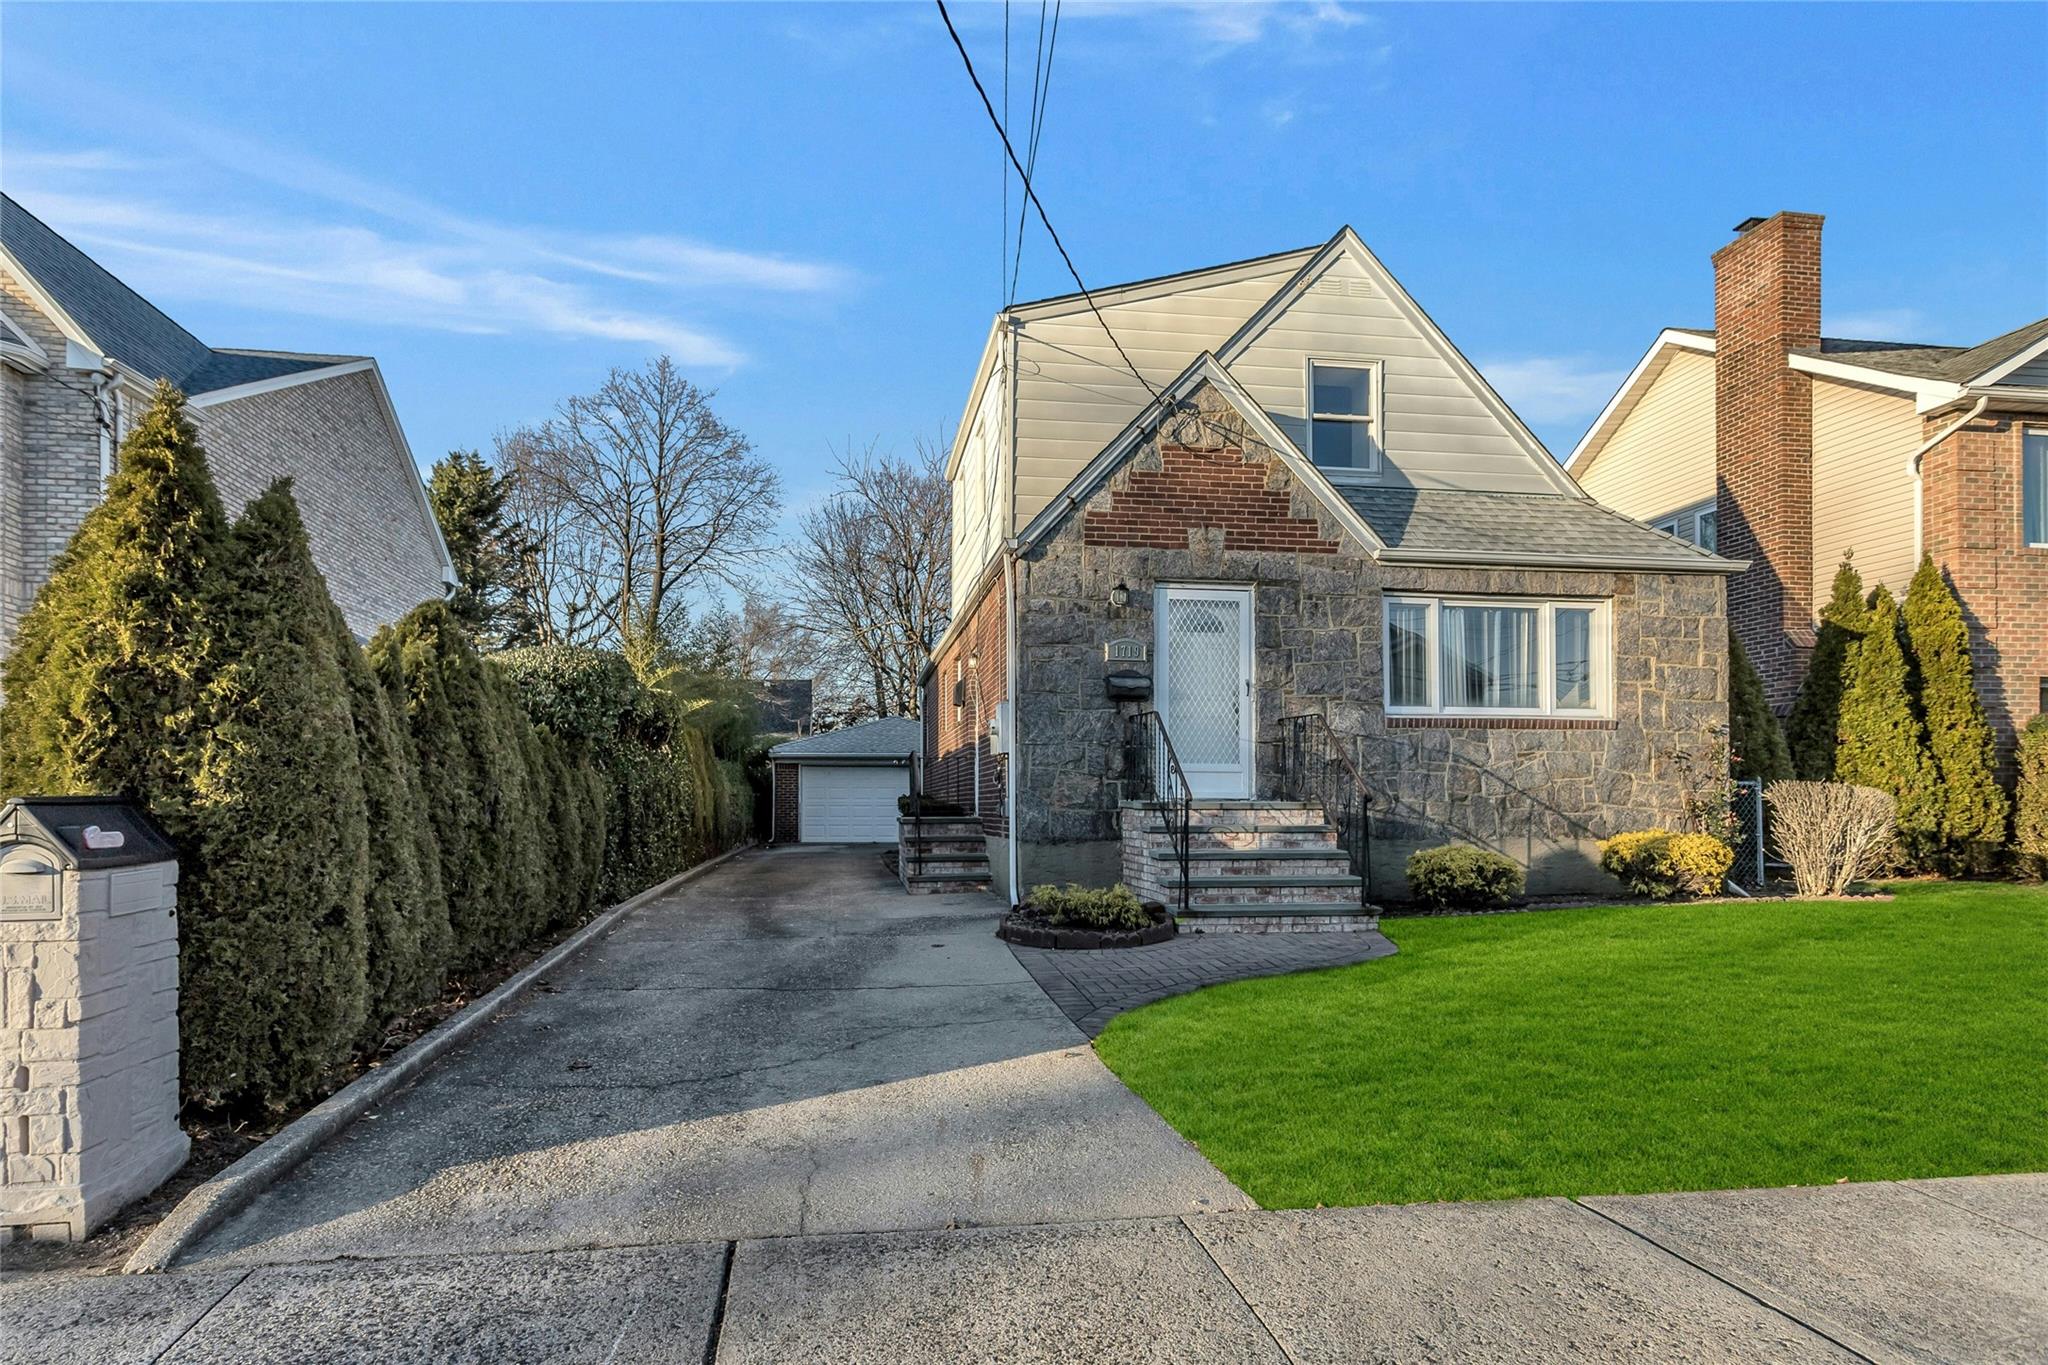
pixel 1204 685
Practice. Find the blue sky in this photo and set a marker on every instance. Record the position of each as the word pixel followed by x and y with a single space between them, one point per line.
pixel 802 203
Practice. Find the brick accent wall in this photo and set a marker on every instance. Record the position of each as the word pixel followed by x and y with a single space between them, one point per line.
pixel 1971 525
pixel 1544 793
pixel 353 481
pixel 955 734
pixel 1179 490
pixel 1766 302
pixel 49 460
pixel 786 829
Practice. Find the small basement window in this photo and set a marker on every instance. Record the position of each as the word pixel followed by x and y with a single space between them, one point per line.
pixel 1344 404
pixel 1497 656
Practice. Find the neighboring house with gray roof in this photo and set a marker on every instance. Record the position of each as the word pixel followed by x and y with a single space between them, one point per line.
pixel 80 353
pixel 1305 525
pixel 1793 450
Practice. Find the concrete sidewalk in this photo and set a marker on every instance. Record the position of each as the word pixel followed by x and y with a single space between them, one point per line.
pixel 1943 1270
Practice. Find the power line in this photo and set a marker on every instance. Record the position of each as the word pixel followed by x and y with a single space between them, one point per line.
pixel 1032 195
pixel 1041 95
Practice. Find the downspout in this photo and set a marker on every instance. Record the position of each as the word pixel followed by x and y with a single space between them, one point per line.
pixel 1913 468
pixel 103 417
pixel 1010 670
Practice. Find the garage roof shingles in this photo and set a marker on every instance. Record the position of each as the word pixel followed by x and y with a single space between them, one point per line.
pixel 891 737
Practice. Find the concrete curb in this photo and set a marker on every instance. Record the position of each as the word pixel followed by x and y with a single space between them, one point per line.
pixel 211 1204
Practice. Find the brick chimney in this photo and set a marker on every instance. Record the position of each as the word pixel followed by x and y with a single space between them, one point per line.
pixel 1767 302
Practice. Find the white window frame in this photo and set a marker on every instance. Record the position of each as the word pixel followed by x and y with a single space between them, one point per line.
pixel 1685 524
pixel 1546 656
pixel 2030 434
pixel 1374 422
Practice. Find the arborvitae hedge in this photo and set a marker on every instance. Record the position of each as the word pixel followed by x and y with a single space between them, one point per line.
pixel 103 684
pixel 2030 819
pixel 272 952
pixel 1811 730
pixel 349 828
pixel 406 913
pixel 1753 733
pixel 1973 805
pixel 1883 744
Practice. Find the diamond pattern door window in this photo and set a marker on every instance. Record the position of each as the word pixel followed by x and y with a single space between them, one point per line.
pixel 1204 678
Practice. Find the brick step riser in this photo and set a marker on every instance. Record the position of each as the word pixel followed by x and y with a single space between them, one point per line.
pixel 948 888
pixel 1258 895
pixel 940 829
pixel 1260 867
pixel 970 868
pixel 946 848
pixel 1282 924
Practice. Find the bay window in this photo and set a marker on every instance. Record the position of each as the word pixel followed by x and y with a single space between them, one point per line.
pixel 1500 656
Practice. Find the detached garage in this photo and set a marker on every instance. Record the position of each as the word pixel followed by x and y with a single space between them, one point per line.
pixel 841 787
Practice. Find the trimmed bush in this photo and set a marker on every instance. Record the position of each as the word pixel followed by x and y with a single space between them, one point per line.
pixel 1754 737
pixel 1883 744
pixel 2030 823
pixel 1109 907
pixel 273 944
pixel 1832 834
pixel 1661 864
pixel 1461 877
pixel 1812 731
pixel 1972 806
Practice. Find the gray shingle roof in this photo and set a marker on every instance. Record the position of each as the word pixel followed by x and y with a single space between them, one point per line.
pixel 129 327
pixel 1550 527
pixel 1917 360
pixel 890 737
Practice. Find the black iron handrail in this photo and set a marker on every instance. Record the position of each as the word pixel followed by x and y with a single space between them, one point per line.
pixel 1152 774
pixel 916 764
pixel 1316 765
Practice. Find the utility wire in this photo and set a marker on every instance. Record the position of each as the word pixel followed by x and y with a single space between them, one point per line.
pixel 1041 95
pixel 1032 195
pixel 1002 223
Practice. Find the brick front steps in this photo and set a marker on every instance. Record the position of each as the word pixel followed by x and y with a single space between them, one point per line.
pixel 941 855
pixel 1253 867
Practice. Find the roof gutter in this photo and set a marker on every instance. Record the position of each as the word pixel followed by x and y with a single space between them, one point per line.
pixel 1919 483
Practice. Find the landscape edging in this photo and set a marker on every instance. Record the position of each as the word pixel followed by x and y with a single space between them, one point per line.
pixel 209 1205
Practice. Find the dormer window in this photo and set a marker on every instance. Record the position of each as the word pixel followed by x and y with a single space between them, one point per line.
pixel 1344 403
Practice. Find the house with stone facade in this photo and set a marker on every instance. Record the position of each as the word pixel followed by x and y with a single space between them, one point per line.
pixel 1259 535
pixel 80 353
pixel 1791 449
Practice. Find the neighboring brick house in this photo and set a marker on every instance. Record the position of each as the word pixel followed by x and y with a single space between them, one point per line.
pixel 1310 527
pixel 80 353
pixel 1792 449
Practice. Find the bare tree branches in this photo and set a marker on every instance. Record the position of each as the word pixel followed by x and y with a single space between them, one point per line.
pixel 638 492
pixel 870 576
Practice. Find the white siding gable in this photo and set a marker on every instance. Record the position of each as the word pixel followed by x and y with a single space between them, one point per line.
pixel 978 493
pixel 1659 459
pixel 1862 487
pixel 1443 427
pixel 1074 393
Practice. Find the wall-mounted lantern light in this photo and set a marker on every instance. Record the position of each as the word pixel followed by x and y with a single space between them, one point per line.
pixel 1119 596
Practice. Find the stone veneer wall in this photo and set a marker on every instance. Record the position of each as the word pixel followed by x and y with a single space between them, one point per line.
pixel 1542 791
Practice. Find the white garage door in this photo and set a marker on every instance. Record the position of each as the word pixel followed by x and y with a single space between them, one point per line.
pixel 848 805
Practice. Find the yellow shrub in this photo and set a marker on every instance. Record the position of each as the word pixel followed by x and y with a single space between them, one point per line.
pixel 1700 862
pixel 1661 864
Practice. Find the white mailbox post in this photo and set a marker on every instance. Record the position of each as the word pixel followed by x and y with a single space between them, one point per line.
pixel 88 1013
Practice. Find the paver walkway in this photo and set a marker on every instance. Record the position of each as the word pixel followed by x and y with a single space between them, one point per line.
pixel 1091 988
pixel 1938 1270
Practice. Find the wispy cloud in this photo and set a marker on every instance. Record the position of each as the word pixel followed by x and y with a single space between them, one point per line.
pixel 302 236
pixel 1877 324
pixel 1553 388
pixel 1222 25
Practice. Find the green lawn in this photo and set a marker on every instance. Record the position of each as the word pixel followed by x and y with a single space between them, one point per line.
pixel 1623 1049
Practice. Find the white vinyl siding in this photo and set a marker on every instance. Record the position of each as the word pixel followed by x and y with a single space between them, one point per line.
pixel 1438 432
pixel 1862 489
pixel 978 528
pixel 1660 458
pixel 1073 392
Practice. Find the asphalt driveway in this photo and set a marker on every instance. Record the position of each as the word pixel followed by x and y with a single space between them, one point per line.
pixel 788 1045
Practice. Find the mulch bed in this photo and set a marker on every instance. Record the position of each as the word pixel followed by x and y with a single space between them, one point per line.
pixel 1026 927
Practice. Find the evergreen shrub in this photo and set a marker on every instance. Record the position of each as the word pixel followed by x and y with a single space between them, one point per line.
pixel 1461 877
pixel 2030 824
pixel 1972 808
pixel 1883 744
